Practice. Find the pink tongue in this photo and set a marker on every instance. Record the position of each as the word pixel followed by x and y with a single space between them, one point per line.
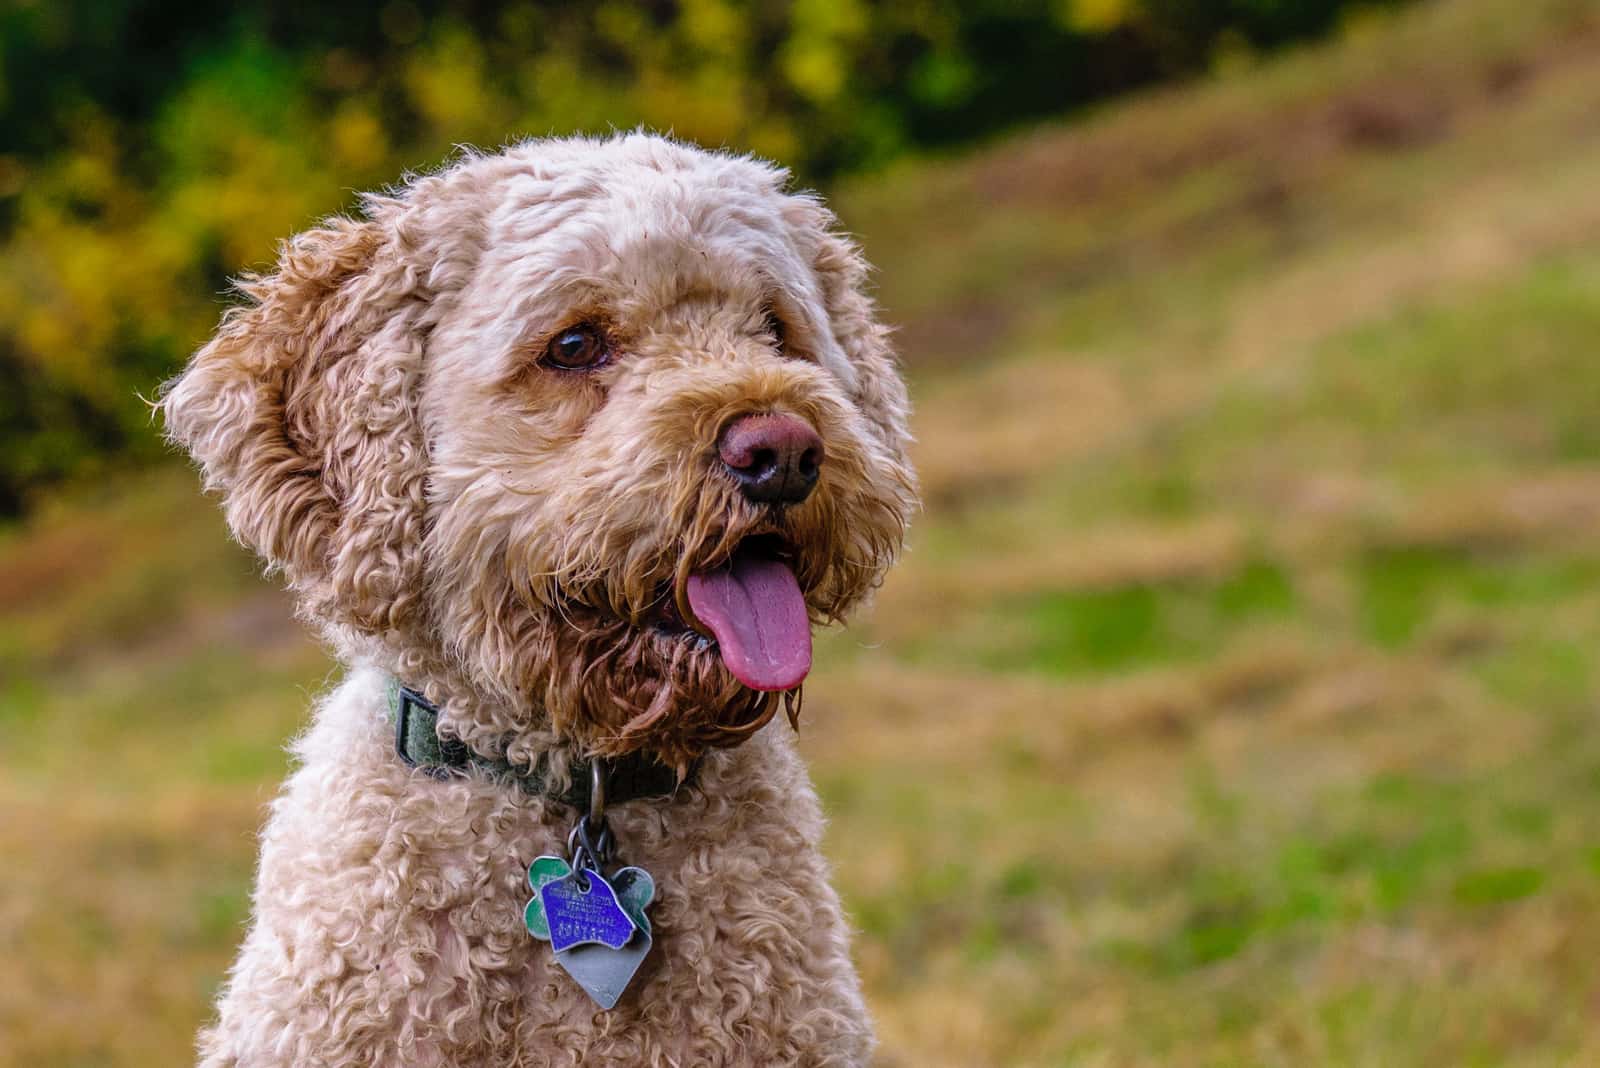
pixel 754 607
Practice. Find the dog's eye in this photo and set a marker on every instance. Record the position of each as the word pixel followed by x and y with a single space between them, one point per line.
pixel 775 328
pixel 577 348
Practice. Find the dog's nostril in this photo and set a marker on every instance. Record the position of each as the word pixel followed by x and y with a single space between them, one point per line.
pixel 775 458
pixel 762 461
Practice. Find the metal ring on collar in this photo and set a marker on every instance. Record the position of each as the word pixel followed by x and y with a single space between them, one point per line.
pixel 584 843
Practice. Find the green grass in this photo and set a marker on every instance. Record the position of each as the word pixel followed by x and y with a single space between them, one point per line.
pixel 1236 702
pixel 1096 631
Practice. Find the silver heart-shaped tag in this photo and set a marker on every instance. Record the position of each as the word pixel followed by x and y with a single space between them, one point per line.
pixel 603 972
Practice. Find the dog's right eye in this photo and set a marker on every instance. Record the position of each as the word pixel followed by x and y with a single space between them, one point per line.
pixel 776 330
pixel 577 348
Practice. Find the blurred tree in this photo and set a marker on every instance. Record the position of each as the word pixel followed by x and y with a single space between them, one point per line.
pixel 149 149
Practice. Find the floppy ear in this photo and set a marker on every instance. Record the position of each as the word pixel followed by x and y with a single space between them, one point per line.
pixel 881 393
pixel 841 271
pixel 301 413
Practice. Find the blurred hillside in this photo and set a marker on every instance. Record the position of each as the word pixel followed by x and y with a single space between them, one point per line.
pixel 150 150
pixel 1236 703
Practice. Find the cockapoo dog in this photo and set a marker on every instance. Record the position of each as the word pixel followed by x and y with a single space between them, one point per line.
pixel 565 450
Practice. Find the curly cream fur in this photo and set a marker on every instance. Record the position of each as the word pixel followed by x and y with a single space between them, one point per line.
pixel 497 533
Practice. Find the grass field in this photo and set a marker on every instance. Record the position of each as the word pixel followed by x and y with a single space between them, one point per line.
pixel 1236 703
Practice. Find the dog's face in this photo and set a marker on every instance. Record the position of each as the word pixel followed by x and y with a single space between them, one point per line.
pixel 602 427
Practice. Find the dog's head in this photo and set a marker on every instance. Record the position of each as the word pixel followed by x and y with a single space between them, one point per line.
pixel 599 428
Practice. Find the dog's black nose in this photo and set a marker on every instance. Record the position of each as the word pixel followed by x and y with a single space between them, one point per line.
pixel 775 458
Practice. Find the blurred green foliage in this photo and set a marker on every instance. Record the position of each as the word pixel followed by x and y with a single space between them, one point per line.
pixel 152 149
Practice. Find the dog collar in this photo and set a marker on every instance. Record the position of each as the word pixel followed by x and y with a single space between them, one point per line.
pixel 635 777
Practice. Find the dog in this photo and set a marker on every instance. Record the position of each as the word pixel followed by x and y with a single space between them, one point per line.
pixel 564 450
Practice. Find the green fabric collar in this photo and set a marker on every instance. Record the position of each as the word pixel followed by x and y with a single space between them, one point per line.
pixel 634 777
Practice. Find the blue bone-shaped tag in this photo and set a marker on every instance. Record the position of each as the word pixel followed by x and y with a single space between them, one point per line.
pixel 582 908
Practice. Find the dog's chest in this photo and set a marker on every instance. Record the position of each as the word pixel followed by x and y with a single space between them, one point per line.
pixel 746 930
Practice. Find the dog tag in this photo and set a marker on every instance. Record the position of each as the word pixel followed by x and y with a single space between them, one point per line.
pixel 546 869
pixel 603 972
pixel 582 907
pixel 635 890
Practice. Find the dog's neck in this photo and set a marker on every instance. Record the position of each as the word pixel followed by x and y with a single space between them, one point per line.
pixel 418 743
pixel 471 712
pixel 502 729
pixel 502 721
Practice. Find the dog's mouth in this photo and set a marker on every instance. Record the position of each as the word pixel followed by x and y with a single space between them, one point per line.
pixel 751 608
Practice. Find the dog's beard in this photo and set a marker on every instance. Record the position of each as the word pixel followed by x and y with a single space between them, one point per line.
pixel 613 664
pixel 644 680
pixel 625 688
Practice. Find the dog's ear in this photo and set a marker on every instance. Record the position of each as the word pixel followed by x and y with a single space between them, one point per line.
pixel 301 413
pixel 841 270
